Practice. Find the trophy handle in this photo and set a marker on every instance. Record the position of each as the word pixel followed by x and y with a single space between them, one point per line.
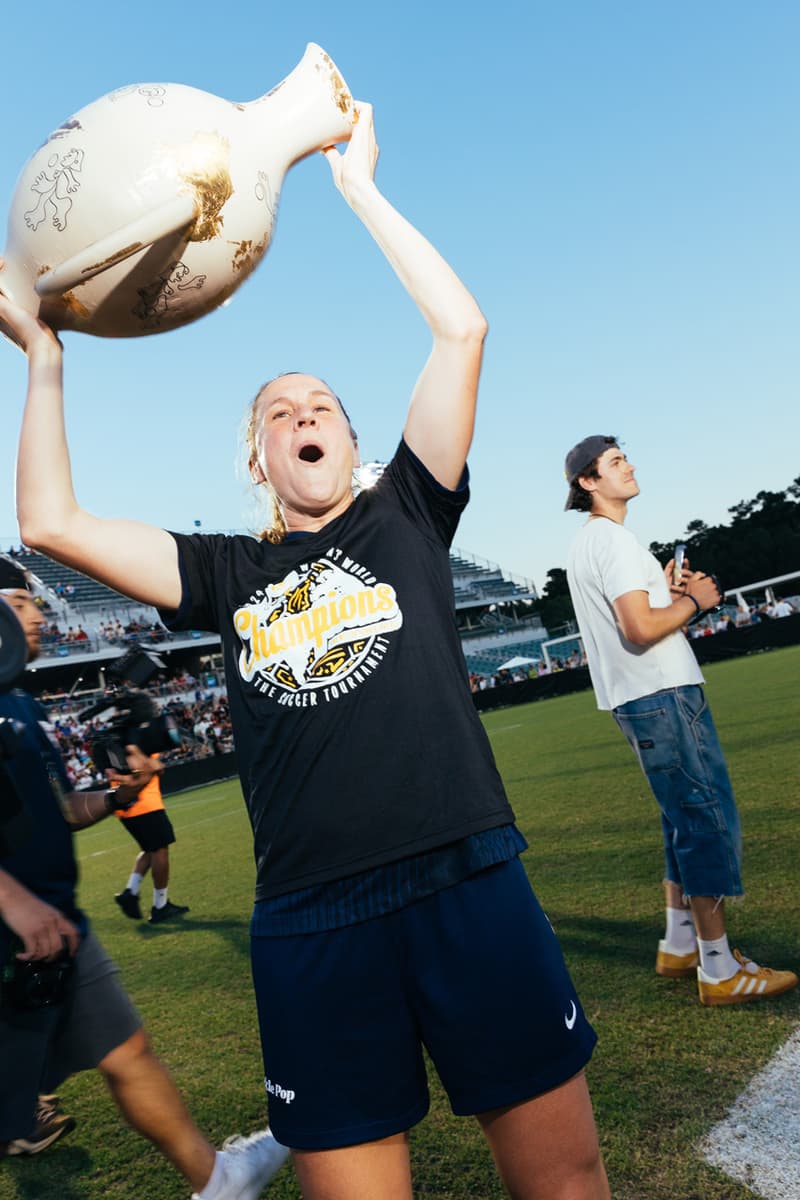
pixel 168 218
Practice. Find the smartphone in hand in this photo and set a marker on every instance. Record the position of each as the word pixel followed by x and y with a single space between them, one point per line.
pixel 679 557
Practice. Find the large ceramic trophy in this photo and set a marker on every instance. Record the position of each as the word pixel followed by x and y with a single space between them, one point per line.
pixel 150 206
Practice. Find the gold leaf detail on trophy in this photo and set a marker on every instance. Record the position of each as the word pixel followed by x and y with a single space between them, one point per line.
pixel 341 95
pixel 248 254
pixel 204 165
pixel 118 256
pixel 242 255
pixel 70 302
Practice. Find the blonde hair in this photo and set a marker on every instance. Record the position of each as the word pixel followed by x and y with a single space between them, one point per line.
pixel 264 493
pixel 261 494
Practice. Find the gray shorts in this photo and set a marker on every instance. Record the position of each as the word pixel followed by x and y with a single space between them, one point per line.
pixel 39 1050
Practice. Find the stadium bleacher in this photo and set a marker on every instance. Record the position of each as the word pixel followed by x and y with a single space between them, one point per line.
pixel 85 592
pixel 486 662
pixel 492 612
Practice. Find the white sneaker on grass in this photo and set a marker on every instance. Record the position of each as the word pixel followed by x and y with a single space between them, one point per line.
pixel 247 1165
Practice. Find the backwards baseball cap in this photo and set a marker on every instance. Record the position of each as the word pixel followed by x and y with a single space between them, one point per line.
pixel 11 576
pixel 578 461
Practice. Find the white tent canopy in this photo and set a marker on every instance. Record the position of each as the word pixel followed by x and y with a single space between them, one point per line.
pixel 516 662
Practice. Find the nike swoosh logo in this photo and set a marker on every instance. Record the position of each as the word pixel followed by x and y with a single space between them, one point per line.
pixel 570 1021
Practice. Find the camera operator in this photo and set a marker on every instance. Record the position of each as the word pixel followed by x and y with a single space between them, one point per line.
pixel 147 822
pixel 62 1007
pixel 131 716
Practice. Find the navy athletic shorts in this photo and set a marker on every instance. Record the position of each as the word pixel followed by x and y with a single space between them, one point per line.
pixel 474 973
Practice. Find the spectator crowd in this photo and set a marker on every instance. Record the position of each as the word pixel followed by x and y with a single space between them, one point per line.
pixel 201 716
pixel 533 670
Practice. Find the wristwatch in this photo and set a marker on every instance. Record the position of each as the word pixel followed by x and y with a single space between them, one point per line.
pixel 110 799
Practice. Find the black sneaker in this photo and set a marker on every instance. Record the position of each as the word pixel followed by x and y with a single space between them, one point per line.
pixel 129 904
pixel 50 1127
pixel 167 911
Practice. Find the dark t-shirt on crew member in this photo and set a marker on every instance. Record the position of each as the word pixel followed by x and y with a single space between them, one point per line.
pixel 357 739
pixel 44 862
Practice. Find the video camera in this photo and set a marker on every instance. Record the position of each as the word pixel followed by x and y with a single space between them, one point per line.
pixel 132 717
pixel 32 984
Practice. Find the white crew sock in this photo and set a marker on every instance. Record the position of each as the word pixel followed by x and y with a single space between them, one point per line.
pixel 215 1180
pixel 159 897
pixel 135 882
pixel 680 936
pixel 716 959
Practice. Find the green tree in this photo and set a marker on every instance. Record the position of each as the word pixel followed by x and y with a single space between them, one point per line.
pixel 555 604
pixel 762 540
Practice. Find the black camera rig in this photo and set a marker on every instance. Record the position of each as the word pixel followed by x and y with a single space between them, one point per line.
pixel 32 984
pixel 130 715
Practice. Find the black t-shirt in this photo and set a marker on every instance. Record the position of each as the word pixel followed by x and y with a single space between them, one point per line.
pixel 357 739
pixel 45 861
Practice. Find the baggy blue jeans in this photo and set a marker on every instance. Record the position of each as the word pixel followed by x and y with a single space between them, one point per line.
pixel 673 736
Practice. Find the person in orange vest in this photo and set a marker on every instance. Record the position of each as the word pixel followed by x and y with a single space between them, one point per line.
pixel 148 824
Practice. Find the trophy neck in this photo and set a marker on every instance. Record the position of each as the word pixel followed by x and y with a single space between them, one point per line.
pixel 310 109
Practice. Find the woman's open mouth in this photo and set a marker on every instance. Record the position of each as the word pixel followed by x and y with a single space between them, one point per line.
pixel 310 453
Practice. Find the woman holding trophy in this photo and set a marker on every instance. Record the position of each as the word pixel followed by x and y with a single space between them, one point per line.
pixel 392 912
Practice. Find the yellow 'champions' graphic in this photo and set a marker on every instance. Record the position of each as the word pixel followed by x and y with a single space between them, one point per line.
pixel 318 633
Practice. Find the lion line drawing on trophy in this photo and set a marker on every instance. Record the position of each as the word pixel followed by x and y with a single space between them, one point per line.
pixel 55 190
pixel 320 624
pixel 154 299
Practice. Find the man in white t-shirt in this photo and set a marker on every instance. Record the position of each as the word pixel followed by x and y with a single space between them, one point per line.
pixel 631 614
pixel 782 608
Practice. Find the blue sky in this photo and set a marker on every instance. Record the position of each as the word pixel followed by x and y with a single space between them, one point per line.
pixel 617 182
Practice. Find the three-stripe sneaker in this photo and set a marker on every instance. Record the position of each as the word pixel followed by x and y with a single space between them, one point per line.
pixel 751 982
pixel 676 966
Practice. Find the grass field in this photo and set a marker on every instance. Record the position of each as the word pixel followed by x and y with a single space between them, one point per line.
pixel 665 1068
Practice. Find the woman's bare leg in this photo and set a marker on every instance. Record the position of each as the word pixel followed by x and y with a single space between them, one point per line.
pixel 546 1148
pixel 370 1171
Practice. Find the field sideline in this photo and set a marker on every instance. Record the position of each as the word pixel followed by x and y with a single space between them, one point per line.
pixel 665 1070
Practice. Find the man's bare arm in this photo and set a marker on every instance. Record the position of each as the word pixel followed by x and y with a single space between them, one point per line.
pixel 644 626
pixel 82 809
